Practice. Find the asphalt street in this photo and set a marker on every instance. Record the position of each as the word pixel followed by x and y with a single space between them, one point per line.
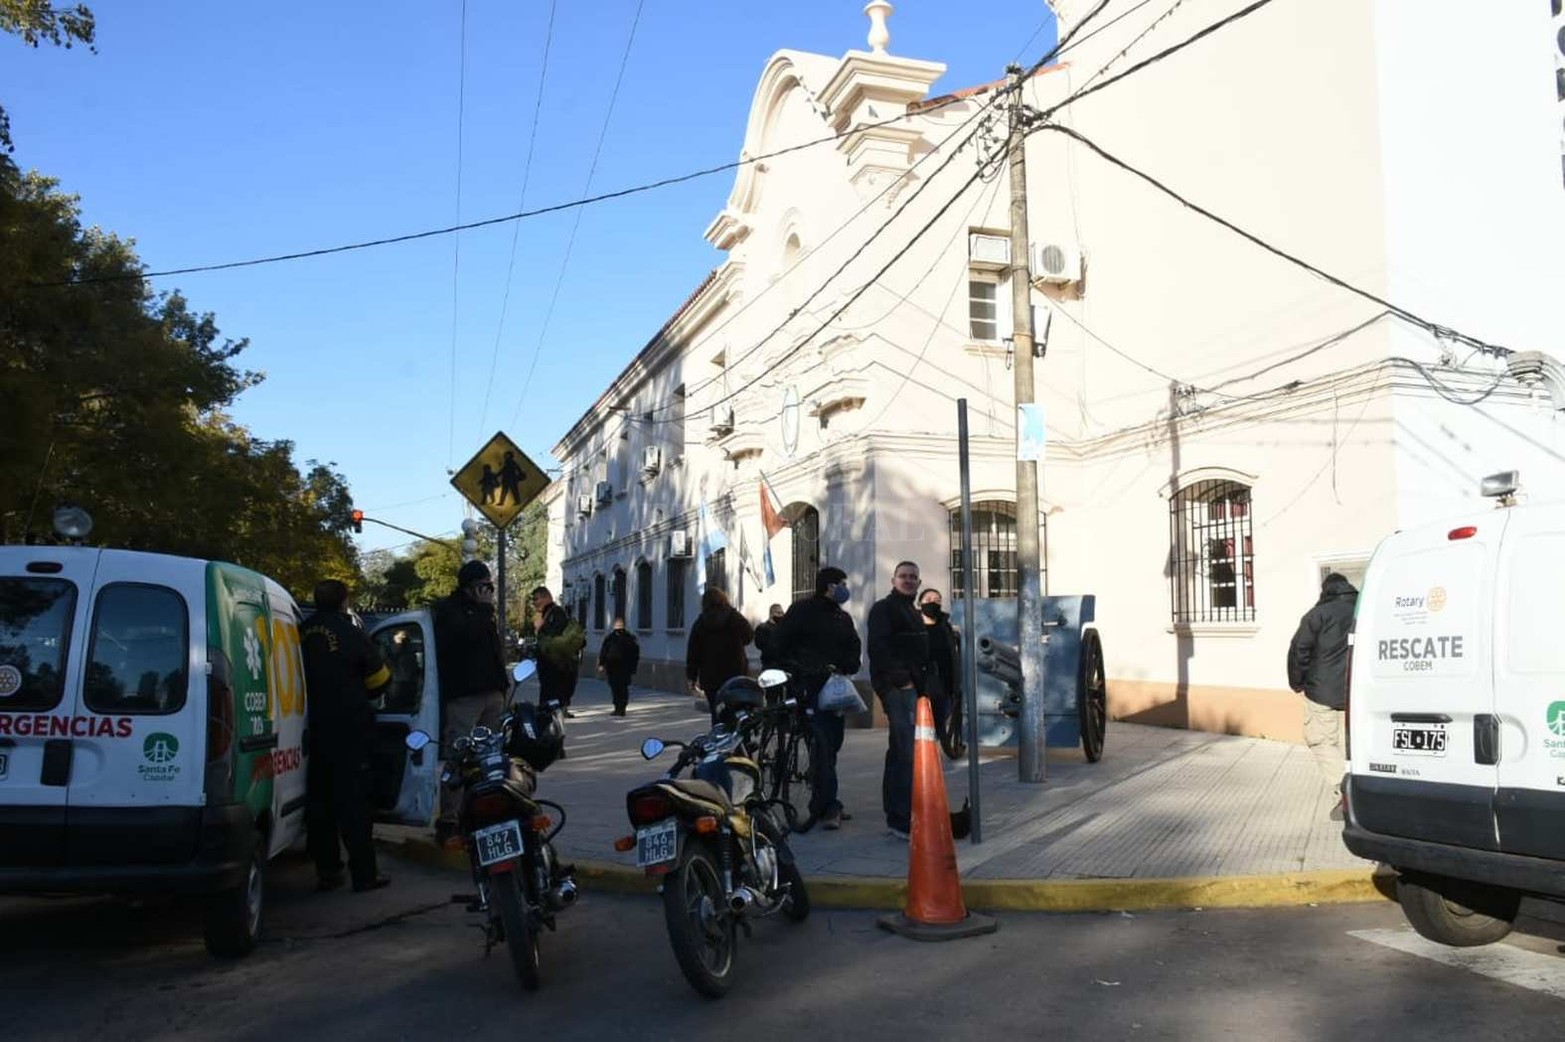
pixel 405 963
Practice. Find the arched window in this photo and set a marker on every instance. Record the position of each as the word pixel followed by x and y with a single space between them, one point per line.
pixel 644 595
pixel 1211 554
pixel 994 549
pixel 619 593
pixel 805 522
pixel 598 605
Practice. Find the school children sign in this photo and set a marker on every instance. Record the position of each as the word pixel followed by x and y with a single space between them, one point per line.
pixel 500 480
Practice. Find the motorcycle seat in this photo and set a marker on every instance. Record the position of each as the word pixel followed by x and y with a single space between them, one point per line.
pixel 704 790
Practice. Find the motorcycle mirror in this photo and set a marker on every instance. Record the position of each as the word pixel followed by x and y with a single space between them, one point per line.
pixel 772 678
pixel 524 670
pixel 417 740
pixel 651 748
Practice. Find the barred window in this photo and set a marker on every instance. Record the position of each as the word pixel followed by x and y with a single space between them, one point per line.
pixel 994 549
pixel 620 593
pixel 805 540
pixel 598 606
pixel 1212 554
pixel 644 595
pixel 677 567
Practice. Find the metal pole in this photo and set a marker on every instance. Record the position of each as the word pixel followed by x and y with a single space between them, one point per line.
pixel 1029 601
pixel 969 625
pixel 499 587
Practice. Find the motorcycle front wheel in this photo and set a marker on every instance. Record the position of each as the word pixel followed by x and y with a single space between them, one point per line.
pixel 520 937
pixel 700 928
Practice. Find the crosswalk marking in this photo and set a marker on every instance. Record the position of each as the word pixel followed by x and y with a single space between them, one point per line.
pixel 1501 962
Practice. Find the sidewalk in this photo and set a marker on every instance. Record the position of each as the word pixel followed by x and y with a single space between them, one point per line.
pixel 1168 818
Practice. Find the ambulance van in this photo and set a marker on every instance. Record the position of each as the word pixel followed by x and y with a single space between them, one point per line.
pixel 1456 716
pixel 152 729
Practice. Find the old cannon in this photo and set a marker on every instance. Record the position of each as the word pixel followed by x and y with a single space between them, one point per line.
pixel 1075 698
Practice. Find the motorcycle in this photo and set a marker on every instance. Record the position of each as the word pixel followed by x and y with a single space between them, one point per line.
pixel 719 843
pixel 507 828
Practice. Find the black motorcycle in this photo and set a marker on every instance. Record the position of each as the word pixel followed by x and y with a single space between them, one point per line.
pixel 506 827
pixel 719 843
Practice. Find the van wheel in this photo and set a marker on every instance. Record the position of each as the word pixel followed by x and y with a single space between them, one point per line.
pixel 1462 915
pixel 233 919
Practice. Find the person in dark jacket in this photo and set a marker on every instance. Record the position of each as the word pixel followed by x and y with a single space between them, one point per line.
pixel 558 663
pixel 617 661
pixel 765 638
pixel 814 639
pixel 898 662
pixel 944 675
pixel 715 652
pixel 472 671
pixel 343 671
pixel 1318 670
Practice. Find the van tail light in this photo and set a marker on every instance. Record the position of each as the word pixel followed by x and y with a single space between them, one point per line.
pixel 219 779
pixel 1465 532
pixel 1347 705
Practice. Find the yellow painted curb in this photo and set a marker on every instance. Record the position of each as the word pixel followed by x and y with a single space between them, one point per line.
pixel 1327 886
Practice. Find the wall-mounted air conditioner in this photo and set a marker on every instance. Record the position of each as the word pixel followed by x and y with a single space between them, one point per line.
pixel 1056 262
pixel 722 420
pixel 988 252
pixel 679 544
pixel 583 506
pixel 604 493
pixel 651 460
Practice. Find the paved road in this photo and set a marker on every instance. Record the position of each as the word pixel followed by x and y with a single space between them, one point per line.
pixel 403 964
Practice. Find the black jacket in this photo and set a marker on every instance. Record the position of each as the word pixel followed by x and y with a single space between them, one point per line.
pixel 620 653
pixel 765 643
pixel 343 670
pixel 898 644
pixel 945 657
pixel 467 648
pixel 1318 655
pixel 715 652
pixel 556 679
pixel 815 637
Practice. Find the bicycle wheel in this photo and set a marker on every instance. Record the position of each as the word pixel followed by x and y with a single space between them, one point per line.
pixel 795 780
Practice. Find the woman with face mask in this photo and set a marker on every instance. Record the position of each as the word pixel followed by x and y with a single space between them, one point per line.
pixel 945 674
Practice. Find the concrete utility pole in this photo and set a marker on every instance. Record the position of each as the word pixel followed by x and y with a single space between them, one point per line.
pixel 1029 601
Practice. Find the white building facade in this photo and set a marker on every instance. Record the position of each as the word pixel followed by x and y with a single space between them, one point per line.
pixel 1223 424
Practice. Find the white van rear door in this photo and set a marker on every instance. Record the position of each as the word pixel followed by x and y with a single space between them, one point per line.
pixel 1530 684
pixel 405 784
pixel 1422 700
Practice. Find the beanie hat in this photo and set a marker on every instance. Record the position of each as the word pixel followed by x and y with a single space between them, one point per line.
pixel 472 572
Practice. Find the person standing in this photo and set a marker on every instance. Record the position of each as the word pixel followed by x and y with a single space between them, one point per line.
pixel 343 672
pixel 766 635
pixel 472 671
pixel 1318 670
pixel 617 661
pixel 715 653
pixel 560 642
pixel 898 662
pixel 815 638
pixel 945 671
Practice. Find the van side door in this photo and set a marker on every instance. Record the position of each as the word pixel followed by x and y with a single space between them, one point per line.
pixel 1423 698
pixel 1529 680
pixel 405 784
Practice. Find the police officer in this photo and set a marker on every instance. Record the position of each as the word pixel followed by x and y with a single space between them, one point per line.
pixel 343 671
pixel 472 672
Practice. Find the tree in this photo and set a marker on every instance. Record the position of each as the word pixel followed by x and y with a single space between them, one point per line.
pixel 38 21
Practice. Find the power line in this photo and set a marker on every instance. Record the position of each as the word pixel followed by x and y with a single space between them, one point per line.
pixel 456 245
pixel 516 227
pixel 570 243
pixel 1159 20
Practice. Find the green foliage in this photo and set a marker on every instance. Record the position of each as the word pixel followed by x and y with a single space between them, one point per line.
pixel 38 21
pixel 115 399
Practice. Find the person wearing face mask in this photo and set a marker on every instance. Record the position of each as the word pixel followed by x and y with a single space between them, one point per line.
pixel 472 670
pixel 898 667
pixel 815 638
pixel 944 676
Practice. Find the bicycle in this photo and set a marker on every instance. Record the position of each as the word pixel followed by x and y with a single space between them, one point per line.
pixel 782 749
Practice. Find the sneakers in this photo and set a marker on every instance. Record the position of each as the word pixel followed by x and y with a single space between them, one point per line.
pixel 833 821
pixel 378 883
pixel 896 833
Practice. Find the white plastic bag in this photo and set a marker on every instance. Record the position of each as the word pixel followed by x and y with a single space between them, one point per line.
pixel 839 696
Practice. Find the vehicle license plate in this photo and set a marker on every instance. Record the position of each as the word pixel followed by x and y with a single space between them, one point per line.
pixel 1421 739
pixel 658 843
pixel 498 842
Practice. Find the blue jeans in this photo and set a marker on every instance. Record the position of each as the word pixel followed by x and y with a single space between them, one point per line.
pixel 826 730
pixel 896 784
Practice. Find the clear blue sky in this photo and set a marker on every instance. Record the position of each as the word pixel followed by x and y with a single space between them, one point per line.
pixel 211 132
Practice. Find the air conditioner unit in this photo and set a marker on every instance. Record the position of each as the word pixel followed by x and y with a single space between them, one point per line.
pixel 604 492
pixel 1056 262
pixel 584 506
pixel 989 252
pixel 651 460
pixel 722 420
pixel 679 544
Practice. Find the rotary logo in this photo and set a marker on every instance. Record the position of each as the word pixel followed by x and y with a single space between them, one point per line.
pixel 1437 598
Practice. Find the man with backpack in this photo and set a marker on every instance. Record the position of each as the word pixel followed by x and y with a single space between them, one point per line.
pixel 560 642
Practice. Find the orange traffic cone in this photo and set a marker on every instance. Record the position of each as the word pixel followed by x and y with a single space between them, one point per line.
pixel 934 909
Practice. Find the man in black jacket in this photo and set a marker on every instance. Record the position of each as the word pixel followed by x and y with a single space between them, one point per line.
pixel 1318 669
pixel 343 671
pixel 814 638
pixel 558 661
pixel 766 638
pixel 618 658
pixel 472 670
pixel 898 658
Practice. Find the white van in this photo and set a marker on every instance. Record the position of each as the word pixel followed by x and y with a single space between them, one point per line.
pixel 1456 718
pixel 152 728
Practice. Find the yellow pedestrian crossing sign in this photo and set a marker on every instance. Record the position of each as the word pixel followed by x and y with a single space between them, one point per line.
pixel 500 480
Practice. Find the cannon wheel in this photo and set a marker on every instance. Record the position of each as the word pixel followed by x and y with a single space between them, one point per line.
pixel 1092 697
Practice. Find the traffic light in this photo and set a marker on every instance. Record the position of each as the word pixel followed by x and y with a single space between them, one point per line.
pixel 358 521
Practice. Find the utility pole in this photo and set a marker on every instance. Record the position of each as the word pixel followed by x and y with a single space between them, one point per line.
pixel 1029 600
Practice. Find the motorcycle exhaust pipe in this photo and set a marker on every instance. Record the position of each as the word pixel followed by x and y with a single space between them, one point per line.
pixel 564 895
pixel 743 899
